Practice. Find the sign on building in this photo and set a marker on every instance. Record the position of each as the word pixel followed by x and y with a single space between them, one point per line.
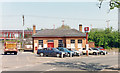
pixel 45 45
pixel 79 45
pixel 68 46
pixel 72 45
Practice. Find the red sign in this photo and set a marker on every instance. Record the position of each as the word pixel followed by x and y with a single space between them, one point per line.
pixel 86 29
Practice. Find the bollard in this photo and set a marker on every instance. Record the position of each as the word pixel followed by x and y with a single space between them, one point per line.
pixel 87 52
pixel 70 54
pixel 62 55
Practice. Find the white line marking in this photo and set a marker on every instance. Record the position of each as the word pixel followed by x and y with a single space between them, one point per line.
pixel 50 69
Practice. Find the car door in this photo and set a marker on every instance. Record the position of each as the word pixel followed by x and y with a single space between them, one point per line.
pixel 53 53
pixel 49 52
pixel 45 51
pixel 90 51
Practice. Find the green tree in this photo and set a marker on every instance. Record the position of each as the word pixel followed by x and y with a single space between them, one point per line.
pixel 106 38
pixel 112 3
pixel 29 28
pixel 64 27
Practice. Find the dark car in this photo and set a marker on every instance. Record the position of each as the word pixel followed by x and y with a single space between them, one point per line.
pixel 50 52
pixel 67 52
pixel 103 52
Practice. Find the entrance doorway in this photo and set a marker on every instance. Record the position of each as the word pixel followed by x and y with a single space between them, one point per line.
pixel 50 44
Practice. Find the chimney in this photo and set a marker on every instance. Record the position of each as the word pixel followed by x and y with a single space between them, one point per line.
pixel 34 29
pixel 80 27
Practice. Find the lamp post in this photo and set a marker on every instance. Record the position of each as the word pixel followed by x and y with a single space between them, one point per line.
pixel 23 26
pixel 23 30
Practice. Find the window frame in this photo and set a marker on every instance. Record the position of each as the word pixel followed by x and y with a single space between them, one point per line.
pixel 60 43
pixel 40 43
pixel 80 41
pixel 72 41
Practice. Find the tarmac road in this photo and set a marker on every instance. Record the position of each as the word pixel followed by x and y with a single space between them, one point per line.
pixel 31 62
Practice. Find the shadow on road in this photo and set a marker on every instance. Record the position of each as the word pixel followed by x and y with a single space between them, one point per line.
pixel 112 68
pixel 80 65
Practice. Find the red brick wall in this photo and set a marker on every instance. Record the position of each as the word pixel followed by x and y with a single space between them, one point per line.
pixel 91 44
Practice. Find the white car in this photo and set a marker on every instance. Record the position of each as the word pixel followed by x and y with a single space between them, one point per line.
pixel 91 51
pixel 76 52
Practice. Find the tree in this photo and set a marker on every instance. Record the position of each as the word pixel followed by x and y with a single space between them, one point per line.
pixel 64 27
pixel 106 38
pixel 29 28
pixel 112 3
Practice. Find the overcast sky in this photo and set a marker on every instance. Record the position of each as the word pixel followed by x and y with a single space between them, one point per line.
pixel 47 14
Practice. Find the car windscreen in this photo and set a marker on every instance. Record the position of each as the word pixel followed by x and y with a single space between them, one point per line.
pixel 94 48
pixel 65 49
pixel 100 47
pixel 55 49
pixel 74 50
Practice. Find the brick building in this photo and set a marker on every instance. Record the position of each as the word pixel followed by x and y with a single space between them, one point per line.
pixel 16 33
pixel 69 38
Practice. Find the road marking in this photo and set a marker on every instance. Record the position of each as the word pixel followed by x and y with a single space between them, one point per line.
pixel 50 69
pixel 29 65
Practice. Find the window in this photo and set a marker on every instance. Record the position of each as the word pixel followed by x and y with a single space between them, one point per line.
pixel 72 41
pixel 60 43
pixel 79 41
pixel 41 43
pixel 61 49
pixel 50 40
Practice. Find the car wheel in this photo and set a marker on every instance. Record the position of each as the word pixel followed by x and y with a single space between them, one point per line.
pixel 106 52
pixel 68 55
pixel 15 53
pixel 58 55
pixel 41 54
pixel 94 53
pixel 103 53
pixel 5 53
pixel 83 53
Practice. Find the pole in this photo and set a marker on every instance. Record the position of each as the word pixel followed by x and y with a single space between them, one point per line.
pixel 86 43
pixel 91 26
pixel 23 26
pixel 23 31
pixel 108 23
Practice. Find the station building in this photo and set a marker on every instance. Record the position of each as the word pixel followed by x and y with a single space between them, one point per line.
pixel 53 38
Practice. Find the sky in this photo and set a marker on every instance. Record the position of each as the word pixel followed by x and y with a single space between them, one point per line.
pixel 47 14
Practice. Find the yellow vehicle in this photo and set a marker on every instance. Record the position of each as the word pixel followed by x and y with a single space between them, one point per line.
pixel 10 47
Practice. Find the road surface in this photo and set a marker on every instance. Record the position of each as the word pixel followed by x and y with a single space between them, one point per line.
pixel 31 62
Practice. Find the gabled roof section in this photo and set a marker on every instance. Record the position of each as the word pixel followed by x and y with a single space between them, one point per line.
pixel 59 33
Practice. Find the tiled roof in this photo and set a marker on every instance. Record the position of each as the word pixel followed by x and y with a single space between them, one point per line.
pixel 59 33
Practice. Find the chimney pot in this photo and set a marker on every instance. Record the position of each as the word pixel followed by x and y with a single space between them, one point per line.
pixel 80 27
pixel 34 29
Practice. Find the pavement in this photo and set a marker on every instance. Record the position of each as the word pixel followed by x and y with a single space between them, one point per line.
pixel 26 61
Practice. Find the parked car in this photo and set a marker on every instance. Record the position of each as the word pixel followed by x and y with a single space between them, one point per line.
pixel 50 52
pixel 96 51
pixel 66 51
pixel 101 48
pixel 91 51
pixel 76 52
pixel 102 51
